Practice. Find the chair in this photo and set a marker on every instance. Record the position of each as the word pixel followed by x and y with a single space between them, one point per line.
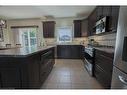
pixel 18 45
pixel 8 45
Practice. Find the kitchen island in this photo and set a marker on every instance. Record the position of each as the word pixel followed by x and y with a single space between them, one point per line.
pixel 25 67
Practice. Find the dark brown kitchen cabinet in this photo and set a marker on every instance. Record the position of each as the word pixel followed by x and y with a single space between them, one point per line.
pixel 106 11
pixel 26 71
pixel 84 28
pixel 77 28
pixel 91 22
pixel 103 67
pixel 10 77
pixel 114 18
pixel 46 64
pixel 48 29
pixel 99 10
pixel 112 13
pixel 69 51
pixel 103 11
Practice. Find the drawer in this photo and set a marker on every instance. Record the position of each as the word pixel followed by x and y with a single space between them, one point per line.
pixel 110 55
pixel 104 62
pixel 102 77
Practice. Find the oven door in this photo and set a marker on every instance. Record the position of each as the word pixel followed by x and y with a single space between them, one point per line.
pixel 88 63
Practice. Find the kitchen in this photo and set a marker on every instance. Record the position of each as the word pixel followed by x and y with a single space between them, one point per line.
pixel 71 48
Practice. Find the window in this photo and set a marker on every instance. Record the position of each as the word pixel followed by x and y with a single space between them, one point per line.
pixel 26 36
pixel 64 34
pixel 29 37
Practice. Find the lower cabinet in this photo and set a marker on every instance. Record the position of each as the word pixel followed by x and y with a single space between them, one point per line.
pixel 26 72
pixel 102 77
pixel 46 65
pixel 103 67
pixel 10 78
pixel 69 51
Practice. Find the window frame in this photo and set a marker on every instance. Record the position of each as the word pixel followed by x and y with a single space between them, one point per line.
pixel 71 30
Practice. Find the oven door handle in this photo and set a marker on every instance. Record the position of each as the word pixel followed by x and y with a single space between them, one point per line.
pixel 87 61
pixel 122 79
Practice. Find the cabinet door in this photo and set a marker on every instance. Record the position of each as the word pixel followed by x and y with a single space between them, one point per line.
pixel 48 29
pixel 84 28
pixel 99 12
pixel 102 77
pixel 114 18
pixel 91 22
pixel 77 28
pixel 10 78
pixel 105 63
pixel 107 11
pixel 33 71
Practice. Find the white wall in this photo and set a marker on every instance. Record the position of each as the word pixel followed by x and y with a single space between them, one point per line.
pixel 25 22
pixel 63 22
pixel 60 22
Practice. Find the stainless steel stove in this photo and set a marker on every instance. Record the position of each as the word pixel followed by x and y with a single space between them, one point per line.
pixel 89 53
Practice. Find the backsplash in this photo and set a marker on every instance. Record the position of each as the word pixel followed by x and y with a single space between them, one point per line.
pixel 106 40
pixel 53 41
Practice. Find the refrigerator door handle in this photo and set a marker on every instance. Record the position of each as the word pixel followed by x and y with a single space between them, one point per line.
pixel 123 80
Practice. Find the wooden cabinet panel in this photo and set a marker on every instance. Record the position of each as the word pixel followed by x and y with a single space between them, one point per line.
pixel 106 11
pixel 69 51
pixel 77 28
pixel 91 22
pixel 48 29
pixel 107 64
pixel 114 18
pixel 84 28
pixel 102 77
pixel 10 78
pixel 46 64
pixel 99 12
pixel 26 72
pixel 103 67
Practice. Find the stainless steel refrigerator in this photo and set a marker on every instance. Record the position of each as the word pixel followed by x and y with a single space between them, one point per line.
pixel 119 77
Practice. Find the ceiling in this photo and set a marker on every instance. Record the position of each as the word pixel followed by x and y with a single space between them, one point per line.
pixel 23 12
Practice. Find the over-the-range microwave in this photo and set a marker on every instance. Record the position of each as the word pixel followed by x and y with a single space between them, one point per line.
pixel 101 25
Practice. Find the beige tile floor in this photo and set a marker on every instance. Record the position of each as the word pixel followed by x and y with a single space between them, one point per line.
pixel 70 74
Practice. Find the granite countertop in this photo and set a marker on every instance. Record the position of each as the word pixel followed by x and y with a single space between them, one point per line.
pixel 106 49
pixel 22 52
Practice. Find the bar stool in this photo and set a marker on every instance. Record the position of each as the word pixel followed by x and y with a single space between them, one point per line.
pixel 18 45
pixel 8 45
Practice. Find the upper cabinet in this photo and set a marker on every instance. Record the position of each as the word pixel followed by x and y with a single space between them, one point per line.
pixel 77 28
pixel 91 22
pixel 114 18
pixel 48 29
pixel 111 12
pixel 81 28
pixel 84 28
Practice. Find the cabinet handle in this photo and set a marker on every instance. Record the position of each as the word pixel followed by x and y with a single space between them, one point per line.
pixel 123 80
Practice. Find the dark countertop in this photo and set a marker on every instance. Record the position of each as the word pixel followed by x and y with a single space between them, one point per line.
pixel 106 49
pixel 22 52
